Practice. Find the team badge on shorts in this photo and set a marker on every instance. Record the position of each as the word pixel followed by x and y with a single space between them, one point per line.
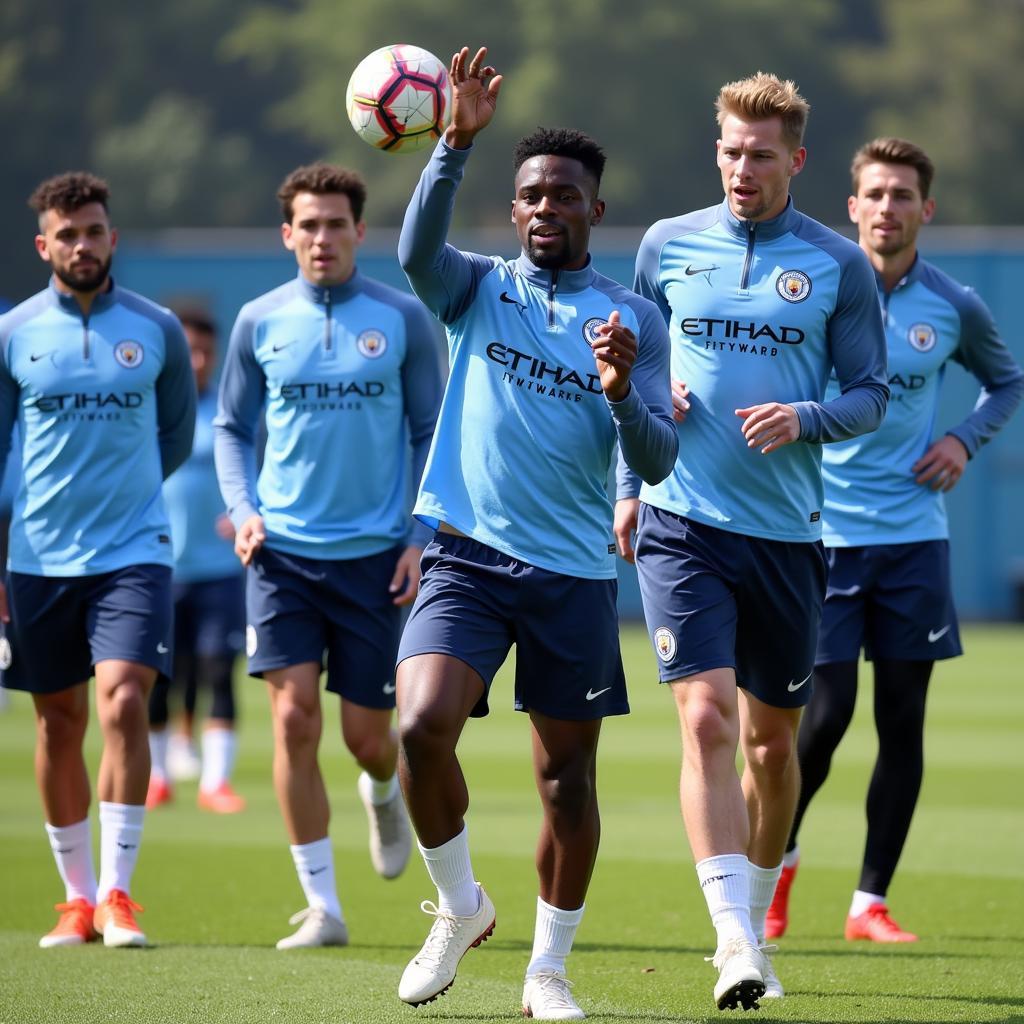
pixel 590 329
pixel 665 643
pixel 372 343
pixel 251 642
pixel 6 657
pixel 922 337
pixel 793 285
pixel 128 353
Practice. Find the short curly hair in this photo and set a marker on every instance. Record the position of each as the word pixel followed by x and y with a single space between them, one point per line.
pixel 322 179
pixel 568 142
pixel 68 192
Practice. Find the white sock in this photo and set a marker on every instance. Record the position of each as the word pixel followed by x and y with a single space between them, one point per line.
pixel 450 870
pixel 725 882
pixel 552 937
pixel 382 792
pixel 219 747
pixel 120 836
pixel 314 864
pixel 862 901
pixel 158 754
pixel 72 850
pixel 762 889
pixel 791 858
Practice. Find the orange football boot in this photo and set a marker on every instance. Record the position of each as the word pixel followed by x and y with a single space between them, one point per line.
pixel 777 919
pixel 74 926
pixel 876 925
pixel 159 792
pixel 115 920
pixel 222 800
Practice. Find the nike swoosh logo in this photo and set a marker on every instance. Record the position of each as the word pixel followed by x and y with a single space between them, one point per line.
pixel 127 846
pixel 389 687
pixel 36 356
pixel 591 695
pixel 277 348
pixel 691 270
pixel 162 648
pixel 505 297
pixel 793 687
pixel 318 871
pixel 848 592
pixel 933 636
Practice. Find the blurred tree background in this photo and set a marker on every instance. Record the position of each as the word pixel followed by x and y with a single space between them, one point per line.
pixel 195 110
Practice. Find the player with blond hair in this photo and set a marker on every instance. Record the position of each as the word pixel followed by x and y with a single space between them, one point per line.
pixel 762 304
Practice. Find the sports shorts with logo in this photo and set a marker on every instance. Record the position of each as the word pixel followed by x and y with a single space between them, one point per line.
pixel 474 603
pixel 717 599
pixel 894 600
pixel 300 608
pixel 209 616
pixel 62 626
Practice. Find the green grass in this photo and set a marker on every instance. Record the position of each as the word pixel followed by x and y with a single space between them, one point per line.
pixel 218 891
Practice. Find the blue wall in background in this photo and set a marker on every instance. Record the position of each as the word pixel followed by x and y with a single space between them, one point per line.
pixel 987 540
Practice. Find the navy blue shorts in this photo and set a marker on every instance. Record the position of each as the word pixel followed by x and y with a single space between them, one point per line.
pixel 299 608
pixel 62 626
pixel 717 599
pixel 475 602
pixel 894 600
pixel 209 617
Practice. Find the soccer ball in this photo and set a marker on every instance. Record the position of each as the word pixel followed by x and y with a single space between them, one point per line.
pixel 399 98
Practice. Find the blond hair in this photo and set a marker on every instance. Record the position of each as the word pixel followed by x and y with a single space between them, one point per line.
pixel 763 96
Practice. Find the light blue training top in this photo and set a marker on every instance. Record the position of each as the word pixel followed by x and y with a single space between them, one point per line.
pixel 871 496
pixel 525 438
pixel 105 407
pixel 757 313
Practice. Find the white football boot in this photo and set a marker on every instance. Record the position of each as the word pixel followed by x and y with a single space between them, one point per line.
pixel 318 928
pixel 740 977
pixel 390 835
pixel 546 996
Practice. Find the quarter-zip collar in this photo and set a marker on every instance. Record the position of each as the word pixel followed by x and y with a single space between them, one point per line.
pixel 568 280
pixel 331 295
pixel 765 230
pixel 912 275
pixel 103 301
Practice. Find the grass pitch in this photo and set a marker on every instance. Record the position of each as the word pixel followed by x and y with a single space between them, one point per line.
pixel 218 891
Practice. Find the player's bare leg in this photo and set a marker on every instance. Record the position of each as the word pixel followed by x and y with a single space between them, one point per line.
pixel 302 797
pixel 373 742
pixel 436 694
pixel 718 827
pixel 61 720
pixel 122 710
pixel 565 769
pixel 771 787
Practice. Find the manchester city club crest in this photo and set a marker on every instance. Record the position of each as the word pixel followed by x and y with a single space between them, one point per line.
pixel 590 329
pixel 372 343
pixel 128 353
pixel 922 337
pixel 793 285
pixel 665 643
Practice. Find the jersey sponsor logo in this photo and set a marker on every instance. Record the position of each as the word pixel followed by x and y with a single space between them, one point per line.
pixel 910 382
pixel 935 635
pixel 505 297
pixel 714 328
pixel 665 643
pixel 372 343
pixel 251 640
pixel 6 656
pixel 83 402
pixel 535 374
pixel 307 392
pixel 590 329
pixel 129 353
pixel 793 285
pixel 591 695
pixel 922 337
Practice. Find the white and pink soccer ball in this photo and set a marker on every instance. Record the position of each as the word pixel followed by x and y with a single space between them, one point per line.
pixel 399 98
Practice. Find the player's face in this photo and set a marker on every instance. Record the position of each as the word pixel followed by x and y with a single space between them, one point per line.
pixel 324 236
pixel 202 347
pixel 554 209
pixel 756 165
pixel 79 245
pixel 888 209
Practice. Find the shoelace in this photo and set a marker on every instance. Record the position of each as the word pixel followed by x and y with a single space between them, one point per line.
pixel 73 905
pixel 301 915
pixel 732 947
pixel 121 906
pixel 555 988
pixel 445 925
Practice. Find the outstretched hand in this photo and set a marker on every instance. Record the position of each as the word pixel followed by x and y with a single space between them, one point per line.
pixel 475 88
